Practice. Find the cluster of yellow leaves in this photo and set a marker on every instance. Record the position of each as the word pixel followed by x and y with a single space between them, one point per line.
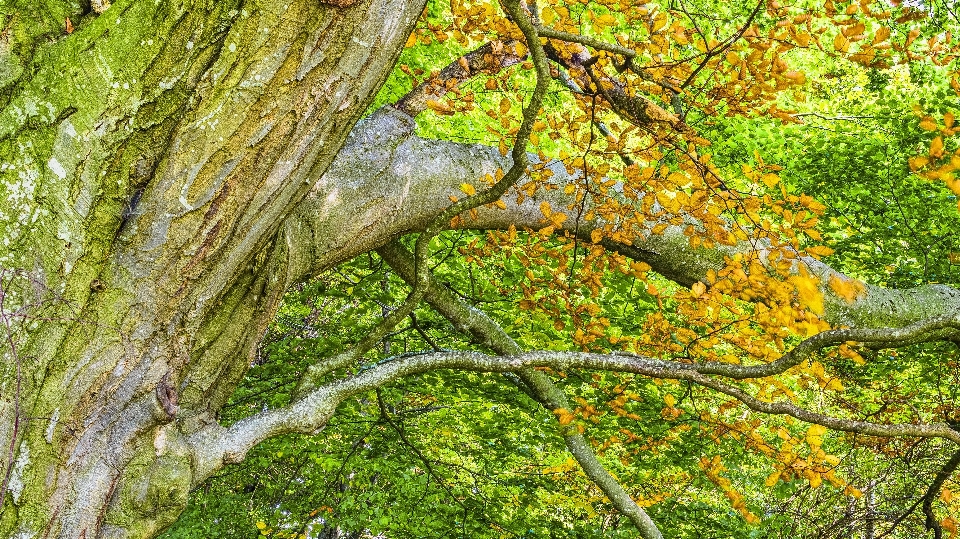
pixel 939 163
pixel 846 288
pixel 280 534
pixel 620 403
pixel 815 467
pixel 564 416
pixel 712 468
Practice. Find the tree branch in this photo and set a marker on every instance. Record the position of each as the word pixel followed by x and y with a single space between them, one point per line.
pixel 485 330
pixel 440 222
pixel 933 491
pixel 488 59
pixel 215 445
pixel 399 182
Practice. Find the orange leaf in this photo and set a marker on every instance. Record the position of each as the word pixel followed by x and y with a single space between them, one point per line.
pixel 883 33
pixel 438 107
pixel 928 124
pixel 841 43
pixel 545 209
pixel 936 147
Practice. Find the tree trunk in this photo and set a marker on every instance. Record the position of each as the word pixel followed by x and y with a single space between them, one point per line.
pixel 149 158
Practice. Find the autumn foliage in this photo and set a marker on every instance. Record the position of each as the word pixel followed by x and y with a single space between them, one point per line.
pixel 642 101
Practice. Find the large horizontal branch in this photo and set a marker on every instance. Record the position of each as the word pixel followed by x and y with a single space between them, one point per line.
pixel 215 446
pixel 387 181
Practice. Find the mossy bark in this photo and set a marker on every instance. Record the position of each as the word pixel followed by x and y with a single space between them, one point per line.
pixel 149 157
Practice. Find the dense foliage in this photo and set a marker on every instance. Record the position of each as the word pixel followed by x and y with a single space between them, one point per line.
pixel 818 129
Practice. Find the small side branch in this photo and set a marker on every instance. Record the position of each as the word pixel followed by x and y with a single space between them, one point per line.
pixel 215 446
pixel 933 491
pixel 489 58
pixel 485 330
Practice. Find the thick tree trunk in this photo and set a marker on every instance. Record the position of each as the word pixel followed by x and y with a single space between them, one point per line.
pixel 149 158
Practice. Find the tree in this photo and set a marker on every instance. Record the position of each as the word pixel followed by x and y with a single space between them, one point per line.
pixel 171 169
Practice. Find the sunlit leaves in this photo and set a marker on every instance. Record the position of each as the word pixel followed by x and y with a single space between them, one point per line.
pixel 665 164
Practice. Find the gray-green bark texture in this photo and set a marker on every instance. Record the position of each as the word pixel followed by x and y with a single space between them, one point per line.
pixel 169 169
pixel 149 159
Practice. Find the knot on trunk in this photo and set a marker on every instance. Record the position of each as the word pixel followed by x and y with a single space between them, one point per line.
pixel 167 397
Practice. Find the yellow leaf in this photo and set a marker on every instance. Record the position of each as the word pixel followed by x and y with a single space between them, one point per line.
pixel 698 289
pixel 563 416
pixel 659 22
pixel 936 147
pixel 604 21
pixel 545 209
pixel 820 250
pixel 841 43
pixel 808 292
pixel 504 106
pixel 834 384
pixel 439 108
pixel 772 479
pixel 261 525
pixel 928 124
pixel 669 399
pixel 549 15
pixel 596 235
pixel 948 119
pixel 468 189
pixel 680 36
pixel 916 163
pixel 815 436
pixel 770 179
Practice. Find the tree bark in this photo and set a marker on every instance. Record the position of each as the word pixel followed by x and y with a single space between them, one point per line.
pixel 149 158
